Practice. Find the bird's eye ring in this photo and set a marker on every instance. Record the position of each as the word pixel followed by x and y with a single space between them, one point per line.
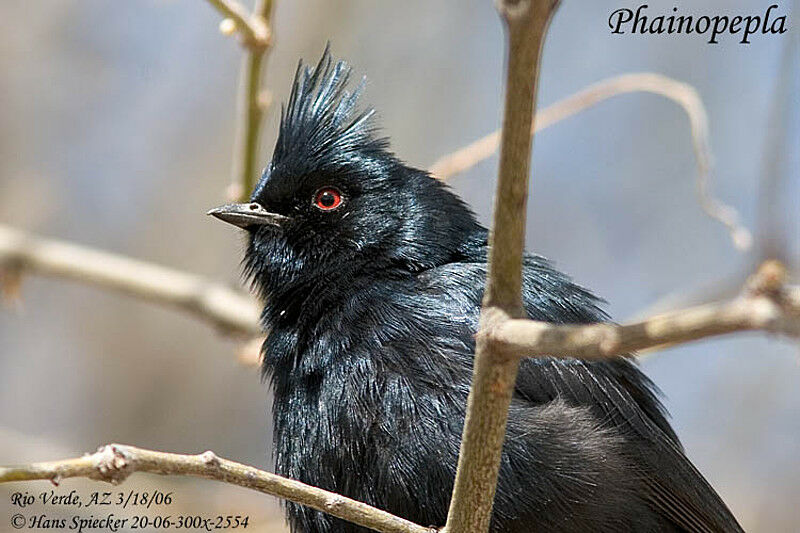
pixel 327 199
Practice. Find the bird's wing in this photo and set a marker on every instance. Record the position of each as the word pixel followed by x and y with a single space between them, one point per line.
pixel 676 488
pixel 616 391
pixel 622 397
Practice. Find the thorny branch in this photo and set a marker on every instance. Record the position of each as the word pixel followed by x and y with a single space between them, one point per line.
pixel 682 94
pixel 113 463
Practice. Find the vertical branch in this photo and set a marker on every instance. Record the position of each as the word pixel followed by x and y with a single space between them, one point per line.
pixel 256 35
pixel 495 371
pixel 252 31
pixel 255 105
pixel 250 124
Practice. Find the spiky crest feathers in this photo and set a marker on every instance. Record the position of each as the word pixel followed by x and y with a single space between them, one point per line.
pixel 321 126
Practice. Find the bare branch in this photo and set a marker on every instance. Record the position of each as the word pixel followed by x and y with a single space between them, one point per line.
pixel 682 94
pixel 254 31
pixel 494 373
pixel 113 463
pixel 229 310
pixel 771 313
pixel 254 101
pixel 719 290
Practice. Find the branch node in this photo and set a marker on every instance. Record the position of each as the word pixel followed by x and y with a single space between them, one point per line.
pixel 768 280
pixel 511 9
pixel 209 458
pixel 227 27
pixel 113 465
pixel 334 503
pixel 264 99
pixel 766 315
pixel 264 31
pixel 253 30
pixel 609 340
pixel 493 320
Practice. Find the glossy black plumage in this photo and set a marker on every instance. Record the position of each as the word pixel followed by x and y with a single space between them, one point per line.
pixel 372 308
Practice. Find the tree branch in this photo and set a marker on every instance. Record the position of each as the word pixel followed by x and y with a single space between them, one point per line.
pixel 682 94
pixel 229 310
pixel 253 104
pixel 764 305
pixel 113 463
pixel 495 373
pixel 253 29
pixel 256 35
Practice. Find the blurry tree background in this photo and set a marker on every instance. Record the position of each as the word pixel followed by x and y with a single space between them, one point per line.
pixel 117 132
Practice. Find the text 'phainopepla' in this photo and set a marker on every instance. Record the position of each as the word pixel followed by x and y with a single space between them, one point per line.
pixel 373 274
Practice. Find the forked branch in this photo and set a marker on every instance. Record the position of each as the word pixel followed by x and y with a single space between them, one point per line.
pixel 253 29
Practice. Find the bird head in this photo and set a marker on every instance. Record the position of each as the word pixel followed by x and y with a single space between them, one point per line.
pixel 334 201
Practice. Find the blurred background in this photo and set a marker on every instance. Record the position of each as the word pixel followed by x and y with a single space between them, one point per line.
pixel 118 120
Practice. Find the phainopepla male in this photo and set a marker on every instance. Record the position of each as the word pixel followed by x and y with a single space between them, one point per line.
pixel 373 274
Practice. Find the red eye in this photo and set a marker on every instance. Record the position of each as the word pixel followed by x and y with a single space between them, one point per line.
pixel 327 199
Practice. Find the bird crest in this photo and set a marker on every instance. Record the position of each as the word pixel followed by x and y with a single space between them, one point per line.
pixel 321 127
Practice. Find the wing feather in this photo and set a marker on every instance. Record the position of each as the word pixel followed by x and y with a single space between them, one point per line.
pixel 622 396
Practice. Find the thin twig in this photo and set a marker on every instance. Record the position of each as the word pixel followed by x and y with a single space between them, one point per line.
pixel 256 34
pixel 254 31
pixel 229 310
pixel 681 93
pixel 253 105
pixel 113 463
pixel 764 308
pixel 719 290
pixel 495 374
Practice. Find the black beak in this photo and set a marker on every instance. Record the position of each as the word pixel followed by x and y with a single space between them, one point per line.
pixel 245 215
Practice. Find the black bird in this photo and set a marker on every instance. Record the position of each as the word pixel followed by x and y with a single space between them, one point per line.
pixel 373 274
